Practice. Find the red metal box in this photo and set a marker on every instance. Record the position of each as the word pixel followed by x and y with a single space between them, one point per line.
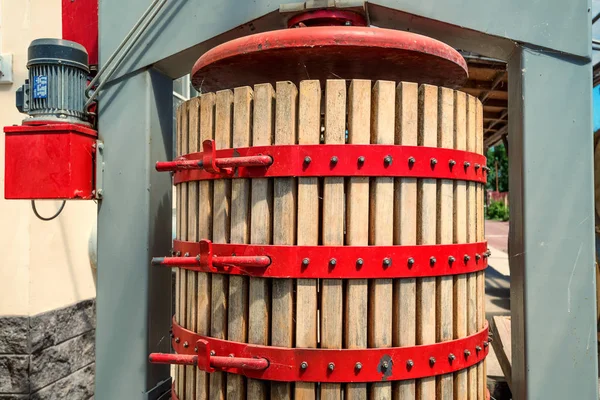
pixel 54 161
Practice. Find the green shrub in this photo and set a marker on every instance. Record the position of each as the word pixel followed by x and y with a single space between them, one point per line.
pixel 498 211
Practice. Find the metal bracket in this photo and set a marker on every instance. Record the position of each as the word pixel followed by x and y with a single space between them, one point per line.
pixel 328 262
pixel 99 183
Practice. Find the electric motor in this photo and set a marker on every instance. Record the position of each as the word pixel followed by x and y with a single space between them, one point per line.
pixel 54 92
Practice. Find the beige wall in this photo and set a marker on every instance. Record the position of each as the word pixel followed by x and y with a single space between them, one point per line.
pixel 45 265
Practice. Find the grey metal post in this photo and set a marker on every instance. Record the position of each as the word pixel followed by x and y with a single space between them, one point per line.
pixel 552 226
pixel 134 224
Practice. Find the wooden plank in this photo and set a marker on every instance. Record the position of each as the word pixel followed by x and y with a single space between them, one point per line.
pixel 333 227
pixel 237 316
pixel 192 234
pixel 205 219
pixel 178 272
pixel 184 372
pixel 284 229
pixel 309 132
pixel 460 236
pixel 357 227
pixel 426 231
pixel 444 284
pixel 480 281
pixel 381 232
pixel 221 229
pixel 260 231
pixel 500 329
pixel 405 231
pixel 471 237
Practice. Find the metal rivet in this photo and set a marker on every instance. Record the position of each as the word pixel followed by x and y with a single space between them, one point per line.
pixel 467 258
pixel 212 353
pixel 432 361
pixel 411 160
pixel 411 262
pixel 387 262
pixel 451 357
pixel 331 366
pixel 305 262
pixel 385 365
pixel 196 349
pixel 358 366
pixel 485 344
pixel 186 255
pixel 348 23
pixel 186 345
pixel 231 355
pixel 361 160
pixel 410 364
pixel 303 365
pixel 467 164
pixel 334 160
pixel 178 254
pixel 177 340
pixel 388 160
pixel 452 163
pixel 307 160
pixel 432 261
pixel 477 256
pixel 477 166
pixel 451 259
pixel 467 353
pixel 359 262
pixel 433 161
pixel 332 262
pixel 478 348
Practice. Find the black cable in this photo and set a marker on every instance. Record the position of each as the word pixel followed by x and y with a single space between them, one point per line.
pixel 595 18
pixel 49 218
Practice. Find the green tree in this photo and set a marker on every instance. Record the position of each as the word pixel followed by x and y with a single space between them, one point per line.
pixel 497 154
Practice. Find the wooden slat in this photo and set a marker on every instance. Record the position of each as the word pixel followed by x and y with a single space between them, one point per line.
pixel 426 232
pixel 284 228
pixel 309 131
pixel 183 274
pixel 178 272
pixel 471 237
pixel 500 328
pixel 405 230
pixel 192 234
pixel 444 306
pixel 221 229
pixel 381 232
pixel 205 219
pixel 481 376
pixel 260 231
pixel 237 316
pixel 460 236
pixel 357 226
pixel 333 228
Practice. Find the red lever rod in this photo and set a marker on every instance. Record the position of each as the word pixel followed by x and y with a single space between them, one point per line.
pixel 254 364
pixel 242 262
pixel 226 162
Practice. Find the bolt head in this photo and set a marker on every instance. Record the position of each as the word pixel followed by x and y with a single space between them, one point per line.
pixel 452 163
pixel 467 164
pixel 231 355
pixel 333 262
pixel 478 348
pixel 467 353
pixel 432 361
pixel 186 344
pixel 387 262
pixel 331 366
pixel 361 160
pixel 451 357
pixel 334 160
pixel 433 161
pixel 467 258
pixel 178 254
pixel 359 262
pixel 411 160
pixel 410 364
pixel 432 261
pixel 305 262
pixel 358 366
pixel 477 166
pixel 451 259
pixel 100 146
pixel 486 344
pixel 388 160
pixel 307 160
pixel 196 349
pixel 303 365
pixel 212 353
pixel 410 261
pixel 385 365
pixel 348 23
pixel 177 340
pixel 477 257
pixel 186 255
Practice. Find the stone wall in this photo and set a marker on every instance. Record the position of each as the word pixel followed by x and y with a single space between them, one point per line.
pixel 50 355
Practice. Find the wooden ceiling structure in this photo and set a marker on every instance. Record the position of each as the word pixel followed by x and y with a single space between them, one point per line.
pixel 488 81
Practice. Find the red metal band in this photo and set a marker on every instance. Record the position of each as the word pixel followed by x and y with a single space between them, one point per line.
pixel 334 365
pixel 327 160
pixel 328 262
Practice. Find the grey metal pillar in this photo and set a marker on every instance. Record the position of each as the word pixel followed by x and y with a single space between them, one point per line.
pixel 134 224
pixel 552 226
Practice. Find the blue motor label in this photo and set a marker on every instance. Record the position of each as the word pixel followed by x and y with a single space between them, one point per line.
pixel 40 87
